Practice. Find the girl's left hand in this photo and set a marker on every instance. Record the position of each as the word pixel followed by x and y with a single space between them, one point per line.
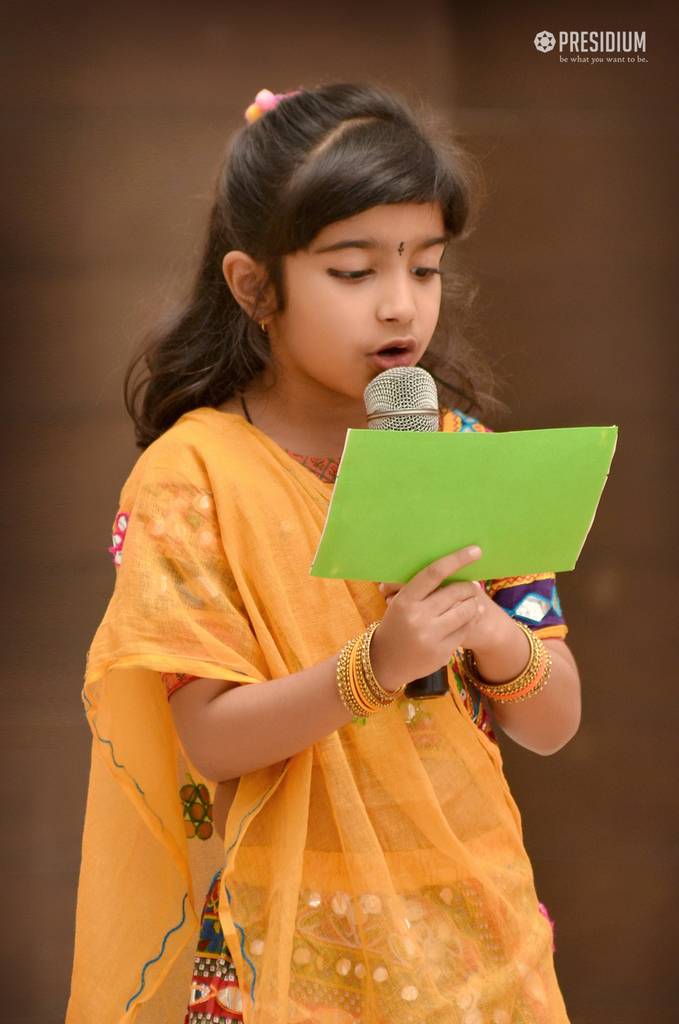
pixel 488 628
pixel 501 651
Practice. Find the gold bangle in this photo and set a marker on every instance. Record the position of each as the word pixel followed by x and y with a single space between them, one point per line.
pixel 385 697
pixel 539 660
pixel 359 690
pixel 365 694
pixel 346 684
pixel 530 691
pixel 343 682
pixel 514 685
pixel 511 685
pixel 380 696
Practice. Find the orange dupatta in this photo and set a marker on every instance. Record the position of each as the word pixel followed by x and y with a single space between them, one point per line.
pixel 378 877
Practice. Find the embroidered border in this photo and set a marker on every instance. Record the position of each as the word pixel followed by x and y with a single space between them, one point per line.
pixel 157 958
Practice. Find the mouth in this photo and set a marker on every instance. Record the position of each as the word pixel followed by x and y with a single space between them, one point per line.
pixel 396 352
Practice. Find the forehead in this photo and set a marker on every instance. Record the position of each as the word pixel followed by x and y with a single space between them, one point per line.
pixel 386 225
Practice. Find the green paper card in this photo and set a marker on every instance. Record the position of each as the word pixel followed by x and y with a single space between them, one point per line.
pixel 405 498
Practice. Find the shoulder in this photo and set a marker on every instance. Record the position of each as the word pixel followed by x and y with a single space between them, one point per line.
pixel 195 437
pixel 456 422
pixel 196 433
pixel 185 452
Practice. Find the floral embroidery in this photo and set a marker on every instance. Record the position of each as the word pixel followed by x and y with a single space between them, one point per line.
pixel 415 713
pixel 332 927
pixel 324 469
pixel 118 538
pixel 184 514
pixel 195 798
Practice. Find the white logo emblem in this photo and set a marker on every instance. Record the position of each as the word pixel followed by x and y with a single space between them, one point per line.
pixel 545 41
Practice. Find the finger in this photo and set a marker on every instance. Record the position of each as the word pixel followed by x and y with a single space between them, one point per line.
pixel 445 598
pixel 389 589
pixel 432 576
pixel 458 617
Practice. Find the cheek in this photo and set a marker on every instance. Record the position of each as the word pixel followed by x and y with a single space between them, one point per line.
pixel 431 308
pixel 325 312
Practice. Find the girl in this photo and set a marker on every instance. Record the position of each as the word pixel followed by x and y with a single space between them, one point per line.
pixel 371 868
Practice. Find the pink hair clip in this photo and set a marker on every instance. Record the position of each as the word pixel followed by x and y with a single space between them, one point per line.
pixel 265 100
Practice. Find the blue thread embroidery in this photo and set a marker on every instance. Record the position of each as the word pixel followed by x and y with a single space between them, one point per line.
pixel 116 763
pixel 242 949
pixel 252 811
pixel 155 959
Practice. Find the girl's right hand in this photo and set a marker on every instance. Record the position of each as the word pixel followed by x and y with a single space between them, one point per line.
pixel 424 622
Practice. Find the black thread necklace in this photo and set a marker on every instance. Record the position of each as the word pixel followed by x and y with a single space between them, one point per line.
pixel 245 410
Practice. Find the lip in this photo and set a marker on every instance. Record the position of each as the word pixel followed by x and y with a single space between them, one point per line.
pixel 384 358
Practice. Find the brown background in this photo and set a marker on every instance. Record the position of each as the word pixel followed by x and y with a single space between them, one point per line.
pixel 115 118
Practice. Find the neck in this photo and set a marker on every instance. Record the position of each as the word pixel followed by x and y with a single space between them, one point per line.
pixel 304 416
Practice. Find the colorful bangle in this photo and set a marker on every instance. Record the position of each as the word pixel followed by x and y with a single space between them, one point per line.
pixel 344 684
pixel 532 688
pixel 533 678
pixel 359 690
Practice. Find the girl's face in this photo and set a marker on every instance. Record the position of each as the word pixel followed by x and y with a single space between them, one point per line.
pixel 365 296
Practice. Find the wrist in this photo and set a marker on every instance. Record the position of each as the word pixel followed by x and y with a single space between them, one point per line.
pixel 504 652
pixel 359 689
pixel 385 673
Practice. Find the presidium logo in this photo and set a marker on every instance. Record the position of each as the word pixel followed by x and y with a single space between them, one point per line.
pixel 595 43
pixel 545 41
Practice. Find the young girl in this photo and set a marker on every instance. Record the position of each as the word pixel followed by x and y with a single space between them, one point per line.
pixel 371 869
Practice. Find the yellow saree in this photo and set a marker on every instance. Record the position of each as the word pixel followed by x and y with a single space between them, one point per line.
pixel 376 878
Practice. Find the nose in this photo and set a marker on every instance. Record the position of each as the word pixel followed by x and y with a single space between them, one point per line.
pixel 397 301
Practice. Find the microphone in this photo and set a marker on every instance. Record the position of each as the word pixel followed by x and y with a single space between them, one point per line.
pixel 405 398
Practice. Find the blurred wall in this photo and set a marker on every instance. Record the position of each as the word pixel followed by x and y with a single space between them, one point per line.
pixel 114 120
pixel 576 256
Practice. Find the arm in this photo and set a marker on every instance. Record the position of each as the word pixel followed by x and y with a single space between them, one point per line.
pixel 229 730
pixel 547 721
pixel 544 723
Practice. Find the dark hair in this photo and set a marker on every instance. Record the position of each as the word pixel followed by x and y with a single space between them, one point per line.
pixel 318 157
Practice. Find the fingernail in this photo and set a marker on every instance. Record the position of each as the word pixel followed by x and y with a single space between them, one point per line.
pixel 477 584
pixel 474 551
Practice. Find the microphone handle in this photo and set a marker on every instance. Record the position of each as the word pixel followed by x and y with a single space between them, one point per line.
pixel 433 685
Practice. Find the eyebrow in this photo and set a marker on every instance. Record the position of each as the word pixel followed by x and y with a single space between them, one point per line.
pixel 372 243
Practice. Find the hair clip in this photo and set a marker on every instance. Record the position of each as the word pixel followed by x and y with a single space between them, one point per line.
pixel 265 100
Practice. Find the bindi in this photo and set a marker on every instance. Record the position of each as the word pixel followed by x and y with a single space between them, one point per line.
pixel 400 249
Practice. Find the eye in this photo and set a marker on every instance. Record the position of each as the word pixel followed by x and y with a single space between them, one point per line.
pixel 425 272
pixel 349 275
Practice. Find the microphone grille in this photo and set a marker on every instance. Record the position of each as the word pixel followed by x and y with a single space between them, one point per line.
pixel 403 398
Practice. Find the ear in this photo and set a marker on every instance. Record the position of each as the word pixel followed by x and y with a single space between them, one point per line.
pixel 245 277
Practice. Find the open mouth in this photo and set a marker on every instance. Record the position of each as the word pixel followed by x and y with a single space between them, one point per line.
pixel 393 350
pixel 398 352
